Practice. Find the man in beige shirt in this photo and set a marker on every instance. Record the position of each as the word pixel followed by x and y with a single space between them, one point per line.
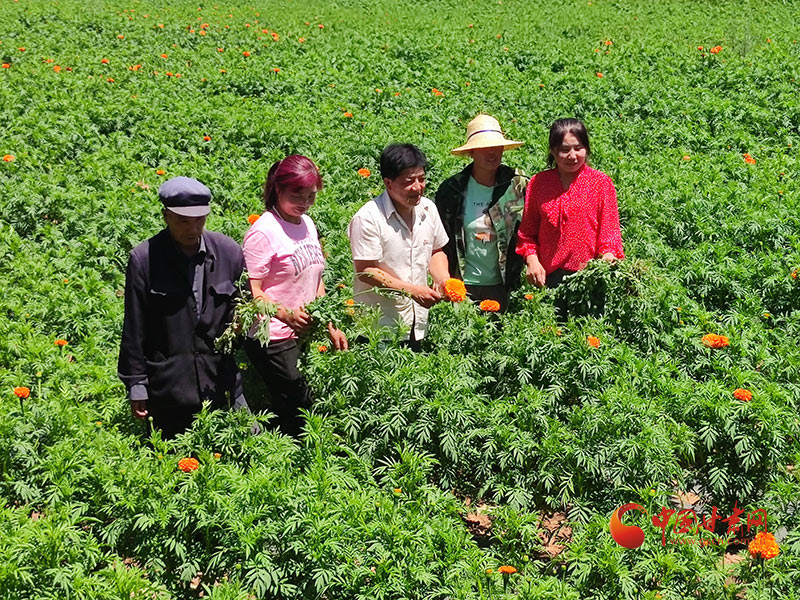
pixel 396 240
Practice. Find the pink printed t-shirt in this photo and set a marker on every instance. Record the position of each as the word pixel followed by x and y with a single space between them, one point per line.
pixel 287 259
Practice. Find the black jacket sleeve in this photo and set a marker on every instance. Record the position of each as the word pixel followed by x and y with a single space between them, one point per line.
pixel 131 366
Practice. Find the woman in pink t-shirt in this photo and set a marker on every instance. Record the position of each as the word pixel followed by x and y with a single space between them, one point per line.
pixel 284 261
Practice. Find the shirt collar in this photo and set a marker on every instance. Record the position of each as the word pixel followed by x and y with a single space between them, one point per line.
pixel 385 204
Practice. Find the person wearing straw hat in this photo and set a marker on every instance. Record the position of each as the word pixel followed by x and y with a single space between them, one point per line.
pixel 481 208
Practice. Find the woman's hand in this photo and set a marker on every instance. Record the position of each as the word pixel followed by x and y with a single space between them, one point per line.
pixel 535 272
pixel 298 320
pixel 609 257
pixel 338 338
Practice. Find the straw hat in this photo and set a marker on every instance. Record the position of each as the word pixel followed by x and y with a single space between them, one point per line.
pixel 484 132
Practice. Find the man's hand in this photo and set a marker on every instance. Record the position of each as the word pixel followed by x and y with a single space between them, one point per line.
pixel 298 320
pixel 535 272
pixel 425 296
pixel 338 338
pixel 139 409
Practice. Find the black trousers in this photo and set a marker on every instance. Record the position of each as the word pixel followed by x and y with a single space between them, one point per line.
pixel 288 389
pixel 171 418
pixel 489 292
pixel 554 280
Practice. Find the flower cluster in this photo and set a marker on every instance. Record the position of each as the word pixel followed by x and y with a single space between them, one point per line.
pixel 455 290
pixel 764 546
pixel 489 306
pixel 187 465
pixel 743 394
pixel 712 340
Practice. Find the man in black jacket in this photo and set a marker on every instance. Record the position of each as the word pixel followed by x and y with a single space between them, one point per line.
pixel 481 208
pixel 179 292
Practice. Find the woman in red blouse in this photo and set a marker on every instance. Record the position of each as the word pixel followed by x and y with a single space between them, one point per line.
pixel 571 214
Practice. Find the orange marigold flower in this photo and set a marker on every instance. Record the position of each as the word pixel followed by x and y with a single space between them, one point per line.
pixel 437 92
pixel 712 340
pixel 715 50
pixel 253 218
pixel 687 157
pixel 743 394
pixel 506 570
pixel 764 546
pixel 246 53
pixel 275 36
pixel 57 69
pixel 188 464
pixel 322 348
pixel 608 42
pixel 301 40
pixel 749 159
pixel 397 490
pixel 348 115
pixel 699 47
pixel 60 342
pixel 122 37
pixel 206 138
pixel 793 274
pixel 217 455
pixel 161 172
pixel 528 296
pixel 9 158
pixel 489 306
pixel 350 302
pixel 110 80
pixel 276 70
pixel 600 75
pixel 593 341
pixel 6 66
pixel 321 26
pixel 455 290
pixel 22 392
pixel 364 172
pixel 22 49
pixel 164 56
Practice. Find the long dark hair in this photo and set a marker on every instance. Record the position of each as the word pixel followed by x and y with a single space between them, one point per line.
pixel 293 172
pixel 561 128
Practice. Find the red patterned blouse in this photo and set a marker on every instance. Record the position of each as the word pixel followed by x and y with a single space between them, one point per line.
pixel 567 229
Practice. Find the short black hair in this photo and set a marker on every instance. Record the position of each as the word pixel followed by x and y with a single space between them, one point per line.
pixel 560 129
pixel 396 158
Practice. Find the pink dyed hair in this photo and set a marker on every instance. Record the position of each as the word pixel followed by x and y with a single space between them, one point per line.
pixel 294 172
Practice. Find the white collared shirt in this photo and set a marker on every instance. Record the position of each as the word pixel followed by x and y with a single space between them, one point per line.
pixel 377 232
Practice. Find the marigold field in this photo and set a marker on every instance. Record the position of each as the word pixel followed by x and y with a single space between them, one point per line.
pixel 489 465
